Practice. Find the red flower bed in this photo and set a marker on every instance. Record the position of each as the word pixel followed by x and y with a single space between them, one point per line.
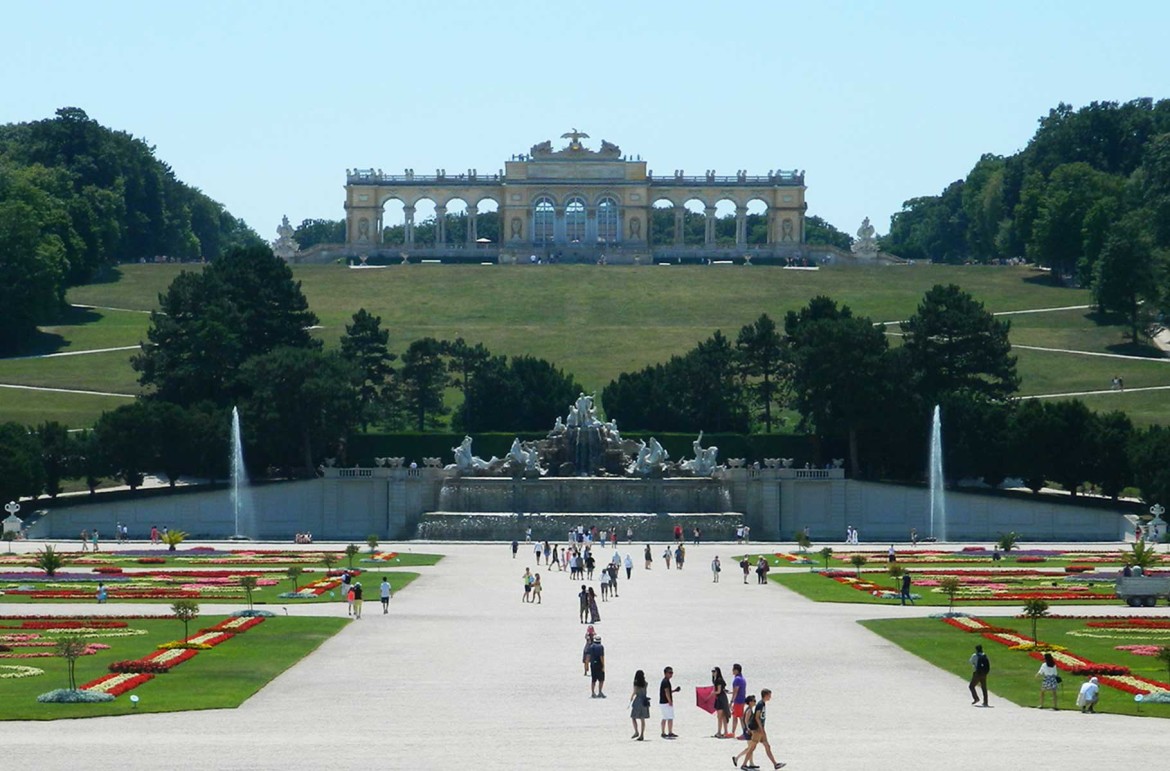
pixel 126 684
pixel 238 624
pixel 1030 559
pixel 74 624
pixel 1102 670
pixel 1078 568
pixel 142 666
pixel 108 569
pixel 1131 623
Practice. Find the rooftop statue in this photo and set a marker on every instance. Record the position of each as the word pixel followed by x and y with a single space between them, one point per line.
pixel 575 138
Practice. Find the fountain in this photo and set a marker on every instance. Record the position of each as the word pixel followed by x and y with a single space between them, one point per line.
pixel 938 500
pixel 241 500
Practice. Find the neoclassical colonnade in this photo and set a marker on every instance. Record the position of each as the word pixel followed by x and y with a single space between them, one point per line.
pixel 574 196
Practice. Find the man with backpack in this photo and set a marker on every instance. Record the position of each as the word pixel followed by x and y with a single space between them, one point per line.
pixel 980 668
pixel 757 726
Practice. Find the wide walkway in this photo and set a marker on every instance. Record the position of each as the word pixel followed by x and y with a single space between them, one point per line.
pixel 461 673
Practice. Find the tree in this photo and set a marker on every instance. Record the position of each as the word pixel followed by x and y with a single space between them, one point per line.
pixel 56 455
pixel 1112 435
pixel 21 467
pixel 950 585
pixel 423 379
pixel 1008 541
pixel 126 437
pixel 248 584
pixel 49 560
pixel 525 394
pixel 372 542
pixel 364 346
pixel 1035 610
pixel 1058 236
pixel 858 561
pixel 319 231
pixel 826 553
pixel 839 371
pixel 1163 655
pixel 32 272
pixel 1147 458
pixel 294 573
pixel 760 350
pixel 955 346
pixel 802 540
pixel 328 559
pixel 71 647
pixel 1141 554
pixel 351 551
pixel 185 611
pixel 301 403
pixel 896 572
pixel 243 305
pixel 467 362
pixel 9 536
pixel 819 231
pixel 1124 274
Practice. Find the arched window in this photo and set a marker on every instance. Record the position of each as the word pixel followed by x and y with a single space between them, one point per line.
pixel 575 221
pixel 543 214
pixel 607 220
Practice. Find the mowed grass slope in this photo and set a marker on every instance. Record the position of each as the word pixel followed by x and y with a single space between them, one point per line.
pixel 598 322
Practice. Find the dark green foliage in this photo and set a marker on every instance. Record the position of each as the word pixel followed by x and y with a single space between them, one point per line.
pixel 313 232
pixel 760 351
pixel 49 560
pixel 954 346
pixel 75 198
pixel 242 305
pixel 523 394
pixel 22 472
pixel 1147 457
pixel 700 390
pixel 423 378
pixel 185 611
pixel 818 231
pixel 56 456
pixel 364 346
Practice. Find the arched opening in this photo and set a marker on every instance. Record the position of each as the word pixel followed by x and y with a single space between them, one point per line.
pixel 607 220
pixel 393 222
pixel 455 227
pixel 694 222
pixel 662 222
pixel 543 220
pixel 757 222
pixel 575 220
pixel 725 222
pixel 424 222
pixel 487 222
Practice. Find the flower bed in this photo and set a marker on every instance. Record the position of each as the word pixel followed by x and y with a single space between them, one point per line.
pixel 118 683
pixel 1140 650
pixel 17 671
pixel 108 569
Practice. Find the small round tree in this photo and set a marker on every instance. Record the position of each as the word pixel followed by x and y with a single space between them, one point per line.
pixel 328 559
pixel 1163 655
pixel 351 551
pixel 9 536
pixel 858 560
pixel 826 553
pixel 1035 610
pixel 372 542
pixel 71 648
pixel 896 572
pixel 49 560
pixel 249 585
pixel 950 587
pixel 802 540
pixel 294 573
pixel 185 611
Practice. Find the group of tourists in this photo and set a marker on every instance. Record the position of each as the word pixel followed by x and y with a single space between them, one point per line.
pixel 88 539
pixel 353 594
pixel 1048 675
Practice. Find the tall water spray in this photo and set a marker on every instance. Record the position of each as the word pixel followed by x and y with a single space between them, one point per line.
pixel 241 500
pixel 938 499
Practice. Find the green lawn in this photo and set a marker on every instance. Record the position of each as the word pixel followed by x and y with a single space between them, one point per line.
pixel 220 678
pixel 818 588
pixel 1013 672
pixel 596 323
pixel 71 410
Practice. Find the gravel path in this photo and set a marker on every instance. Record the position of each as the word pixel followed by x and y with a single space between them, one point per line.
pixel 463 673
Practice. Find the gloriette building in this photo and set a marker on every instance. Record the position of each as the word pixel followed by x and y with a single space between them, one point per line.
pixel 577 203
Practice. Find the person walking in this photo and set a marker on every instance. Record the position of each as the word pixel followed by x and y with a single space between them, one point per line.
pixel 762 570
pixel 357 599
pixel 746 566
pixel 716 568
pixel 666 703
pixel 85 540
pixel 980 668
pixel 594 616
pixel 384 591
pixel 349 598
pixel 738 701
pixel 639 706
pixel 556 560
pixel 906 589
pixel 515 547
pixel 583 599
pixel 536 589
pixel 527 578
pixel 596 668
pixel 647 556
pixel 759 728
pixel 629 564
pixel 666 557
pixel 1049 677
pixel 94 539
pixel 749 708
pixel 722 708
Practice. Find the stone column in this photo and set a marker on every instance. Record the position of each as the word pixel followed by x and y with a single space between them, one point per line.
pixel 680 214
pixel 590 225
pixel 740 225
pixel 441 225
pixel 709 234
pixel 408 228
pixel 559 225
pixel 472 213
pixel 772 225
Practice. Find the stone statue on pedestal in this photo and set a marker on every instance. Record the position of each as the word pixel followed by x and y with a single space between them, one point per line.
pixel 466 462
pixel 284 246
pixel 865 247
pixel 705 461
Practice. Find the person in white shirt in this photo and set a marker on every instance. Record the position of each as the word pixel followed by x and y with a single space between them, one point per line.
pixel 385 591
pixel 1049 677
pixel 1087 698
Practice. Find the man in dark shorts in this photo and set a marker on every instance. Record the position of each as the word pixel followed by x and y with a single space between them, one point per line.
pixel 596 668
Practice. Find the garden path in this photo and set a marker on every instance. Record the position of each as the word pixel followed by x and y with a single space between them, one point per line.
pixel 463 673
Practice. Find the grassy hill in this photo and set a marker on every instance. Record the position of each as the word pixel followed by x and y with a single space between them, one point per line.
pixel 594 322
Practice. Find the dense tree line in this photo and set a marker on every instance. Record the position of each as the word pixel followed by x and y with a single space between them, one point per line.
pixel 76 197
pixel 1088 197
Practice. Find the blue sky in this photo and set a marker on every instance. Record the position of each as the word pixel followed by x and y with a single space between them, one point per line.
pixel 263 105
